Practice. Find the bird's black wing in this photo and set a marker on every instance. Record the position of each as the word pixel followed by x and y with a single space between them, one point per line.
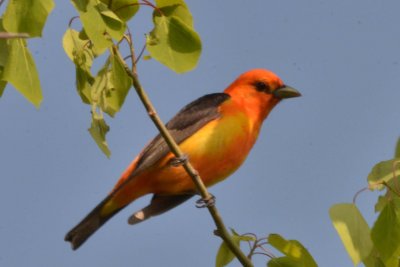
pixel 188 120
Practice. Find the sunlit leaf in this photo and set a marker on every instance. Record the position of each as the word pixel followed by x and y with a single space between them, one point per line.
pixel 382 172
pixel 296 254
pixel 79 51
pixel 174 44
pixel 353 231
pixel 176 8
pixel 101 82
pixel 224 256
pixel 28 16
pixel 386 233
pixel 114 26
pixel 95 27
pixel 98 131
pixel 84 82
pixel 114 95
pixel 74 45
pixel 124 9
pixel 20 71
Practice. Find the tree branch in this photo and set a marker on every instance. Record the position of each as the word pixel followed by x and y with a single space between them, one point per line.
pixel 8 35
pixel 222 231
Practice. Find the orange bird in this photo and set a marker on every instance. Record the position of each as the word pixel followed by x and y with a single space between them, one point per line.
pixel 216 132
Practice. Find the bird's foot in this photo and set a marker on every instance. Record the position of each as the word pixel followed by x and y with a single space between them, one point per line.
pixel 206 202
pixel 178 161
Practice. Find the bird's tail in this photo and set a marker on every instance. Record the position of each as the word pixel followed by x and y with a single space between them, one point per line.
pixel 89 225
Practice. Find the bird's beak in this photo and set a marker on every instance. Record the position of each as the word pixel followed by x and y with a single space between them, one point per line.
pixel 286 92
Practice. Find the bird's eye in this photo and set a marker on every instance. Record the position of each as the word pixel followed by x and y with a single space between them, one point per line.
pixel 262 87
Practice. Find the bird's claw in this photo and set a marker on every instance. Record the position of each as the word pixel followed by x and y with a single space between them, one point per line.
pixel 178 161
pixel 206 202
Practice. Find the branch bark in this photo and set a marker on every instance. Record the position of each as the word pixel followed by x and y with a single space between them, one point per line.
pixel 221 229
pixel 8 35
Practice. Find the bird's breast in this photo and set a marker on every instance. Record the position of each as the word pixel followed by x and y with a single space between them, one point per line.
pixel 215 151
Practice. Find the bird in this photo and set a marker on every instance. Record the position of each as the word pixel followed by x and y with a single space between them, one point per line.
pixel 215 132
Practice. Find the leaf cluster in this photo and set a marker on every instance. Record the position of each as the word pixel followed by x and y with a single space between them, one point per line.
pixel 294 253
pixel 22 19
pixel 380 245
pixel 173 42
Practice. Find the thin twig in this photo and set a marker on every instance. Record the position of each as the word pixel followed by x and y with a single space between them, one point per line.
pixel 265 254
pixel 222 231
pixel 72 20
pixel 9 35
pixel 252 250
pixel 358 193
pixel 132 50
pixel 140 54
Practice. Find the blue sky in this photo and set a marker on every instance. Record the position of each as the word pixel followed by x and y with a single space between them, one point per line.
pixel 313 151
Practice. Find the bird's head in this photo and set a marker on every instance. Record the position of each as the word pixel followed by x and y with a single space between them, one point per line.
pixel 259 90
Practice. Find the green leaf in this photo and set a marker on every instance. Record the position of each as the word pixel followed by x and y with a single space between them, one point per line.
pixel 95 27
pixel 386 234
pixel 397 151
pixel 177 8
pixel 373 260
pixel 174 44
pixel 2 83
pixel 101 83
pixel 382 172
pixel 3 59
pixel 146 57
pixel 296 254
pixel 28 16
pixel 80 52
pixel 77 48
pixel 98 131
pixel 124 9
pixel 80 5
pixel 3 49
pixel 84 82
pixel 225 255
pixel 284 262
pixel 100 24
pixel 381 203
pixel 120 83
pixel 353 231
pixel 235 236
pixel 20 71
pixel 115 27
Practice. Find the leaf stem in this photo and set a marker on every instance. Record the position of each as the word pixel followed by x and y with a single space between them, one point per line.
pixel 202 190
pixel 8 35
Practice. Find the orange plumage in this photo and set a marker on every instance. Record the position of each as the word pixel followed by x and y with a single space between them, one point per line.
pixel 216 132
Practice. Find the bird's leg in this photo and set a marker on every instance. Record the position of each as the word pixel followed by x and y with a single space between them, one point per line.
pixel 178 161
pixel 206 202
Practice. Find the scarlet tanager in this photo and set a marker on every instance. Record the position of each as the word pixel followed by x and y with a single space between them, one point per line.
pixel 216 132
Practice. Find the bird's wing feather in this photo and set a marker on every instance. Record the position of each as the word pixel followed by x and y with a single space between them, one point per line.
pixel 189 120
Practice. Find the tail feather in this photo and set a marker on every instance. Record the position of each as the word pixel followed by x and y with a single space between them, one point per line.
pixel 89 225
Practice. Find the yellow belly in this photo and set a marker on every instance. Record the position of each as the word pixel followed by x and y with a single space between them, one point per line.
pixel 215 151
